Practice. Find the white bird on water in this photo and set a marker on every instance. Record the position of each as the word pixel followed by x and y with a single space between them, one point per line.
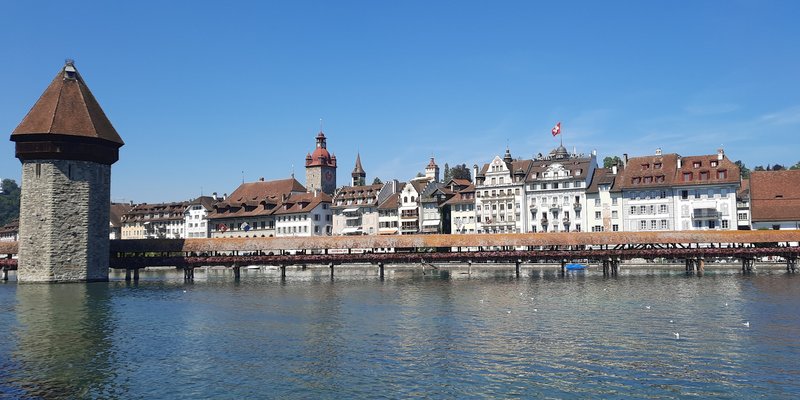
pixel 647 307
pixel 670 321
pixel 509 311
pixel 677 335
pixel 747 324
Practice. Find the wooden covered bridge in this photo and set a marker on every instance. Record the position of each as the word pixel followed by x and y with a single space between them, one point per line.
pixel 607 249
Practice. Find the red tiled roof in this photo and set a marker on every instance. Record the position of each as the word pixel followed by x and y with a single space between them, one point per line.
pixel 301 203
pixel 662 171
pixel 391 203
pixel 775 195
pixel 256 198
pixel 67 107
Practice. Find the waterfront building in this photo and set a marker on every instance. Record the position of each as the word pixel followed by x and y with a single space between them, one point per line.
pixel 603 208
pixel 743 206
pixel 155 221
pixel 388 208
pixel 196 217
pixel 116 211
pixel 500 205
pixel 10 231
pixel 304 214
pixel 248 211
pixel 355 210
pixel 321 168
pixel 670 192
pixel 434 215
pixel 775 199
pixel 461 206
pixel 66 145
pixel 409 205
pixel 555 191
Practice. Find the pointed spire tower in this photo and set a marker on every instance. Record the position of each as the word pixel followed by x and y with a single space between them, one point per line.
pixel 359 176
pixel 66 145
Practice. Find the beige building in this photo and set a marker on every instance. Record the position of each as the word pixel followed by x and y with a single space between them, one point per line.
pixel 154 221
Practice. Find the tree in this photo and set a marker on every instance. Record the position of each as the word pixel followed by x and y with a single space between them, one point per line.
pixel 761 168
pixel 377 181
pixel 9 201
pixel 796 166
pixel 778 167
pixel 420 174
pixel 743 170
pixel 460 172
pixel 609 162
pixel 447 173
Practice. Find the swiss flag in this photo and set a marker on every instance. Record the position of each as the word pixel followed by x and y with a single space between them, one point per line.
pixel 556 129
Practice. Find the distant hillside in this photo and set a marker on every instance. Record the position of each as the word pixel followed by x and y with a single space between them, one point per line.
pixel 9 201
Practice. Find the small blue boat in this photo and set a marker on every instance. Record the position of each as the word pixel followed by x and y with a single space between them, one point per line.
pixel 575 267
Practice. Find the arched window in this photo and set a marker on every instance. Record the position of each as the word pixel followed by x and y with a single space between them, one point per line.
pixel 405 199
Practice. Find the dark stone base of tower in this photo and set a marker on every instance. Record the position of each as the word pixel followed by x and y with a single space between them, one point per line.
pixel 64 221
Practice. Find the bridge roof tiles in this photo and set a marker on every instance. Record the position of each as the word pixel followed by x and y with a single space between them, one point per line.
pixel 775 195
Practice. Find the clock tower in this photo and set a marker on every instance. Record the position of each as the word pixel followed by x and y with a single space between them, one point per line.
pixel 321 168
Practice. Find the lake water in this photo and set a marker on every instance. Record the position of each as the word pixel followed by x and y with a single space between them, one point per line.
pixel 423 336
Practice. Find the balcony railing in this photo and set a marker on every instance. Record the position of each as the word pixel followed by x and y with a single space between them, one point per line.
pixel 565 221
pixel 706 214
pixel 556 207
pixel 577 206
pixel 544 221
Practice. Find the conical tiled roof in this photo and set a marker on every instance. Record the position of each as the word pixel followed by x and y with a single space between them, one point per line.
pixel 358 169
pixel 68 108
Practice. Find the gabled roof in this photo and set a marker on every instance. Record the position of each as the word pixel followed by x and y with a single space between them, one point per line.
pixel 255 191
pixel 116 211
pixel 391 203
pixel 775 195
pixel 67 107
pixel 602 176
pixel 661 171
pixel 537 168
pixel 301 203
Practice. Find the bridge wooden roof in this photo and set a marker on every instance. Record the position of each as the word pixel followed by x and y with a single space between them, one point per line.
pixel 484 240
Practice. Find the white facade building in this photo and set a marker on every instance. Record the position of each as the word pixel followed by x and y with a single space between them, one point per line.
pixel 603 206
pixel 500 205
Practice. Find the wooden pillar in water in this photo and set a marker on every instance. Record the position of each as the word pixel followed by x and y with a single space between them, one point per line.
pixel 188 274
pixel 380 270
pixel 237 272
pixel 283 272
pixel 5 273
pixel 127 274
pixel 136 274
pixel 605 266
pixel 615 266
pixel 330 265
pixel 563 267
pixel 469 267
pixel 791 265
pixel 517 267
pixel 701 266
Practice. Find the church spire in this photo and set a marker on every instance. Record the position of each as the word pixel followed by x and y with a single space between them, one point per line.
pixel 359 176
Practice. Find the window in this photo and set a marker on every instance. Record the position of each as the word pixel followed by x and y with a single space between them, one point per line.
pixel 714 163
pixel 722 174
pixel 648 179
pixel 645 166
pixel 597 215
pixel 637 180
pixel 662 209
pixel 696 164
pixel 615 228
pixel 653 225
pixel 687 176
pixel 613 201
pixel 597 228
pixel 555 185
pixel 614 214
pixel 642 209
pixel 696 194
pixel 725 224
pixel 664 224
pixel 642 225
pixel 703 175
pixel 633 210
pixel 657 165
pixel 742 216
pixel 684 194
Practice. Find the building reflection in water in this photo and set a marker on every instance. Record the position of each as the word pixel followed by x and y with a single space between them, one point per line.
pixel 64 347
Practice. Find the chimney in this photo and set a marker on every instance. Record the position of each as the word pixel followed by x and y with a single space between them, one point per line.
pixel 624 160
pixel 261 179
pixel 614 169
pixel 658 151
pixel 224 196
pixel 214 196
pixel 720 154
pixel 315 192
pixel 680 162
pixel 474 173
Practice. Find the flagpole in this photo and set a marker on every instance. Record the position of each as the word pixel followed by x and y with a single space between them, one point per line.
pixel 561 136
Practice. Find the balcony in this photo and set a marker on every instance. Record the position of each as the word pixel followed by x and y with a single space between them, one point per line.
pixel 533 208
pixel 565 221
pixel 705 214
pixel 555 207
pixel 544 221
pixel 577 206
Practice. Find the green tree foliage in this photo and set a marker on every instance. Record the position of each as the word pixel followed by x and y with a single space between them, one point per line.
pixel 377 181
pixel 9 201
pixel 460 172
pixel 778 167
pixel 609 162
pixel 447 173
pixel 743 170
pixel 796 166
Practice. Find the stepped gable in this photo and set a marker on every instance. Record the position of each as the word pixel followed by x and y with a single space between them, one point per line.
pixel 67 109
pixel 775 195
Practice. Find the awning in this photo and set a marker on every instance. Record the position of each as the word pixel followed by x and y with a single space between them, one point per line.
pixel 430 223
pixel 350 231
pixel 387 231
pixel 350 210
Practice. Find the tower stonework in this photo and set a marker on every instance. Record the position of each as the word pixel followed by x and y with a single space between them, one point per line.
pixel 321 168
pixel 66 145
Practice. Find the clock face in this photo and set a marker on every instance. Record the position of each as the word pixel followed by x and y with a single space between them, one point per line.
pixel 328 176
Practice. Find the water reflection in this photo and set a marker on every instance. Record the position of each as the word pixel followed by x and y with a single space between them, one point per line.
pixel 63 341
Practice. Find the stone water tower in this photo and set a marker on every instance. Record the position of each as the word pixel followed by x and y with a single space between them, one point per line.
pixel 66 145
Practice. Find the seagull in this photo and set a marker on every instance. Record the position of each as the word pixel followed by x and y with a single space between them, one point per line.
pixel 726 304
pixel 647 307
pixel 509 311
pixel 747 324
pixel 677 335
pixel 670 321
pixel 535 310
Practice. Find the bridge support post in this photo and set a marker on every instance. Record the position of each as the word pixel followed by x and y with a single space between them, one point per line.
pixel 283 272
pixel 136 274
pixel 331 267
pixel 127 274
pixel 564 267
pixel 469 267
pixel 615 267
pixel 237 272
pixel 605 266
pixel 791 265
pixel 701 266
pixel 380 270
pixel 188 274
pixel 747 265
pixel 5 273
pixel 517 267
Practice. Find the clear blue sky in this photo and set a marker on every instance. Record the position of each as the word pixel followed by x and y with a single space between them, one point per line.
pixel 201 91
